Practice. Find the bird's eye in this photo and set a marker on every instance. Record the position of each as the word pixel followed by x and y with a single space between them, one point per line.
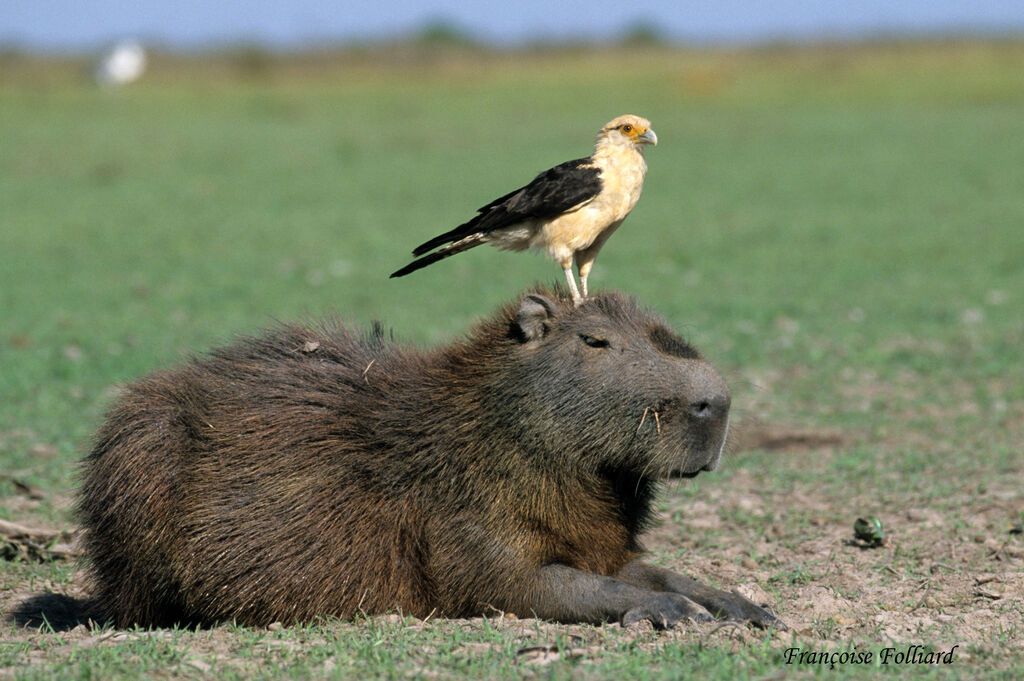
pixel 594 342
pixel 627 128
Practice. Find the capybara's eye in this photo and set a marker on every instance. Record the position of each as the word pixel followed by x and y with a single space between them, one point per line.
pixel 594 342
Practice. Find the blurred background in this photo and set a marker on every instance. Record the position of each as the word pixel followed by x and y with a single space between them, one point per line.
pixel 833 213
pixel 69 25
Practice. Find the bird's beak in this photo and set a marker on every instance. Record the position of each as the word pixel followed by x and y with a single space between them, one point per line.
pixel 648 138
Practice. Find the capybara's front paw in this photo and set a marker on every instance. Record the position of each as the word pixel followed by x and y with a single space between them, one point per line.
pixel 664 610
pixel 732 606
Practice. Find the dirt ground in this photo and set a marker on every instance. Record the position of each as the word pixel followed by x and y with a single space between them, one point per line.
pixel 950 575
pixel 927 584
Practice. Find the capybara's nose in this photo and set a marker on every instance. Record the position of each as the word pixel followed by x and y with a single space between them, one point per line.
pixel 710 407
pixel 709 398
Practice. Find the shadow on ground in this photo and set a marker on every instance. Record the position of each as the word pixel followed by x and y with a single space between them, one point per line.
pixel 53 611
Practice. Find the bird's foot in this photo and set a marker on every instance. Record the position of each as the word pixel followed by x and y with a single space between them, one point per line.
pixel 573 291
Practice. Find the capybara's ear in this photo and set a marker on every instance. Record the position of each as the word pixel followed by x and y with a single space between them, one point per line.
pixel 533 320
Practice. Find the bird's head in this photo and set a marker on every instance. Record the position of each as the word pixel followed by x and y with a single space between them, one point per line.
pixel 628 130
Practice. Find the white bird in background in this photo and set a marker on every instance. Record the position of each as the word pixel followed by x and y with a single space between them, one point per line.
pixel 123 64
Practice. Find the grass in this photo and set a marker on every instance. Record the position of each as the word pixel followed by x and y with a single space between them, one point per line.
pixel 397 648
pixel 838 228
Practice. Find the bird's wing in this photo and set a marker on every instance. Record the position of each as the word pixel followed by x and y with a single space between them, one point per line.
pixel 553 192
pixel 558 190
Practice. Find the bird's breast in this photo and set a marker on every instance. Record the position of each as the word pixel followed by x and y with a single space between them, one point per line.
pixel 622 176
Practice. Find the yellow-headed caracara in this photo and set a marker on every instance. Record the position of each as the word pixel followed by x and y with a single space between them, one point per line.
pixel 569 210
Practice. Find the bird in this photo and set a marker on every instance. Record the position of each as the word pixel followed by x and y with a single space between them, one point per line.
pixel 569 210
pixel 123 64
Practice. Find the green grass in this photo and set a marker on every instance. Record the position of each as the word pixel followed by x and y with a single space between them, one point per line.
pixel 396 649
pixel 846 222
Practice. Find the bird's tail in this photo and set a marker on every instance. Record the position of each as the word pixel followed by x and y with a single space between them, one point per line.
pixel 463 244
pixel 452 235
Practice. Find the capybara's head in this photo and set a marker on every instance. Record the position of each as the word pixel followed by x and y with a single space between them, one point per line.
pixel 609 385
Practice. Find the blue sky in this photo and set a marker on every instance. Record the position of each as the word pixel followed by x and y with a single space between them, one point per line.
pixel 71 25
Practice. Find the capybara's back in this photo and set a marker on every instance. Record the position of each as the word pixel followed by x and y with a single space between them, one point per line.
pixel 250 485
pixel 314 471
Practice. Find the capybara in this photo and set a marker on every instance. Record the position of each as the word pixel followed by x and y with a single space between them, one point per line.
pixel 316 471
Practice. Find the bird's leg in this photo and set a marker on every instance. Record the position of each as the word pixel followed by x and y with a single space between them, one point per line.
pixel 571 280
pixel 584 269
pixel 586 257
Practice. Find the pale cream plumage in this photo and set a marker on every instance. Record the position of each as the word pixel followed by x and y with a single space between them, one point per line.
pixel 568 211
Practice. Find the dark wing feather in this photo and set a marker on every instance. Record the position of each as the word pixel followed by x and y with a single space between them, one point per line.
pixel 440 254
pixel 550 194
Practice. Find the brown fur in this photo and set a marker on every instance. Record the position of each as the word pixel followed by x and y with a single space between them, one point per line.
pixel 313 471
